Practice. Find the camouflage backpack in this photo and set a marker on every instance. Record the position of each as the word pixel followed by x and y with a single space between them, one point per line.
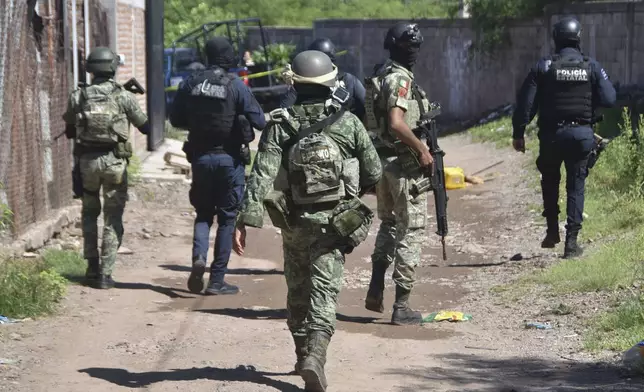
pixel 101 117
pixel 316 169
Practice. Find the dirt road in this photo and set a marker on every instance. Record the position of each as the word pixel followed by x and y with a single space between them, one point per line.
pixel 150 332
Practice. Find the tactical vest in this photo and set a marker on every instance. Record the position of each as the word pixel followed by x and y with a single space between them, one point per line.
pixel 212 110
pixel 376 111
pixel 316 169
pixel 342 82
pixel 374 114
pixel 568 92
pixel 101 121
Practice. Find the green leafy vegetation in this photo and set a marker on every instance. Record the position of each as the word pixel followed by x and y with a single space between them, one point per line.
pixel 6 215
pixel 614 207
pixel 134 169
pixel 34 287
pixel 182 16
pixel 493 18
pixel 278 54
pixel 175 133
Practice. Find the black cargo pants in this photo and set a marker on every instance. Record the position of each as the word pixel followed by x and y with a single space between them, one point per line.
pixel 570 145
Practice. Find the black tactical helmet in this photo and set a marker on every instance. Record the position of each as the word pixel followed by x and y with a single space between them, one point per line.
pixel 403 34
pixel 325 46
pixel 102 61
pixel 568 29
pixel 312 64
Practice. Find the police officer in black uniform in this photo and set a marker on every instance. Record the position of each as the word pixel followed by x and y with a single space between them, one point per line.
pixel 348 81
pixel 565 89
pixel 213 105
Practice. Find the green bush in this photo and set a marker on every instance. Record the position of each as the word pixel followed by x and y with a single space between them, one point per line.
pixel 33 287
pixel 278 54
pixel 28 288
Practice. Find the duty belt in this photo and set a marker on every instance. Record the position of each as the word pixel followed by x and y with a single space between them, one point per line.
pixel 573 123
pixel 84 148
pixel 317 207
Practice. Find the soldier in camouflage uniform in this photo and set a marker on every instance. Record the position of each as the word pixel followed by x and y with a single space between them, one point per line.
pixel 330 162
pixel 393 99
pixel 98 117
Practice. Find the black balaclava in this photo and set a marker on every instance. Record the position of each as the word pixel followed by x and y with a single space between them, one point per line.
pixel 567 44
pixel 405 55
pixel 101 77
pixel 220 53
pixel 311 93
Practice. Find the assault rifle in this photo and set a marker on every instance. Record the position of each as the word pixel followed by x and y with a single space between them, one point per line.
pixel 426 128
pixel 427 125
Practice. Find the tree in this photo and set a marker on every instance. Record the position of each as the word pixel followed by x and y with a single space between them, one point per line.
pixel 183 16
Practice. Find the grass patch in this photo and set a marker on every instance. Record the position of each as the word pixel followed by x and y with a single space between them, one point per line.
pixel 33 287
pixel 615 265
pixel 175 133
pixel 618 329
pixel 615 210
pixel 71 265
pixel 6 215
pixel 134 170
pixel 499 132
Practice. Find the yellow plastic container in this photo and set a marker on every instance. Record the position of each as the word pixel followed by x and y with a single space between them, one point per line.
pixel 454 178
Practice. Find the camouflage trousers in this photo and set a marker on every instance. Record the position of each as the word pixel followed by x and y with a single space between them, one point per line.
pixel 314 268
pixel 106 171
pixel 402 230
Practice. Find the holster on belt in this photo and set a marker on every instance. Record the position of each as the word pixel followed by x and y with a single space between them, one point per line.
pixel 279 207
pixel 352 219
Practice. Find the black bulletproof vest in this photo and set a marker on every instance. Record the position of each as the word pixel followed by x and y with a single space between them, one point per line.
pixel 350 104
pixel 568 94
pixel 212 111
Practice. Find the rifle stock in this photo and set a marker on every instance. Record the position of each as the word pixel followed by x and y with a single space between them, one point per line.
pixel 134 87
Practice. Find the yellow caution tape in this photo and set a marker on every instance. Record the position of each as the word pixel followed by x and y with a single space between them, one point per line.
pixel 259 74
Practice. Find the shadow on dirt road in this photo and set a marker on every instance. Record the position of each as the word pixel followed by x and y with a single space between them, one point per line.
pixel 515 375
pixel 241 373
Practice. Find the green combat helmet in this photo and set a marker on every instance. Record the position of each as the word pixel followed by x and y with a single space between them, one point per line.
pixel 102 60
pixel 314 67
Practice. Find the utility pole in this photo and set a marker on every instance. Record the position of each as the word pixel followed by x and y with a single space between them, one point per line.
pixel 154 68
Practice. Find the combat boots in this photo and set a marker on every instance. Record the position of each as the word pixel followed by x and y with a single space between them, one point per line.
pixel 105 282
pixel 402 314
pixel 571 248
pixel 552 234
pixel 301 350
pixel 92 272
pixel 195 281
pixel 376 293
pixel 312 369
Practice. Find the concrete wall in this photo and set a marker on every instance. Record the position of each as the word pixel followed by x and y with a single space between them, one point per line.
pixel 468 85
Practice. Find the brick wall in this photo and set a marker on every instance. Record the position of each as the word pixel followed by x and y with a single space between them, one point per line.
pixel 130 41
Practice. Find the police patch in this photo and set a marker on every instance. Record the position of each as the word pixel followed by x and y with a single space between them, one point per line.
pixel 604 74
pixel 572 75
pixel 210 90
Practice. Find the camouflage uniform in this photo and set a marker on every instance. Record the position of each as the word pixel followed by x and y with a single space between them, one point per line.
pixel 404 218
pixel 313 254
pixel 100 167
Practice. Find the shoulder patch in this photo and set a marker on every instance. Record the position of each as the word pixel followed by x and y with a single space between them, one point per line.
pixel 604 74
